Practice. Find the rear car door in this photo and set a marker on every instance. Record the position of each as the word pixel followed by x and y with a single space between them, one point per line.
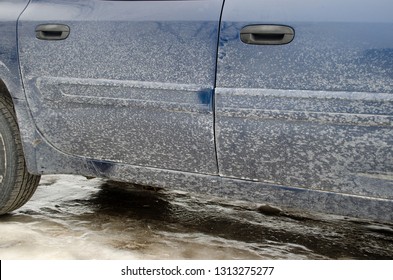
pixel 312 113
pixel 124 81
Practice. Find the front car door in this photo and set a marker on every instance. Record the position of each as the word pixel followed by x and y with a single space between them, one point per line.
pixel 124 81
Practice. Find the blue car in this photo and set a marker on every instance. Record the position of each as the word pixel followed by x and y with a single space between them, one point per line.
pixel 280 102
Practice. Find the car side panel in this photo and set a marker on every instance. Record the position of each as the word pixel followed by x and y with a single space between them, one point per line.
pixel 315 113
pixel 9 63
pixel 133 83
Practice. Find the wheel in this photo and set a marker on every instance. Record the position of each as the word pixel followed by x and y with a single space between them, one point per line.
pixel 17 185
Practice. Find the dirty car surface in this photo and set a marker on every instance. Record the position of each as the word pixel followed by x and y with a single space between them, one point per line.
pixel 275 102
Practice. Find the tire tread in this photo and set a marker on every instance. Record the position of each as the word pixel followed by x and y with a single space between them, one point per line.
pixel 25 183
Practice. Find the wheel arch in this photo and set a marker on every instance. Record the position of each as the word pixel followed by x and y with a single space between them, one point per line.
pixel 4 89
pixel 13 91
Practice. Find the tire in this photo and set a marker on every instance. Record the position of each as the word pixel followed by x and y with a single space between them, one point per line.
pixel 17 185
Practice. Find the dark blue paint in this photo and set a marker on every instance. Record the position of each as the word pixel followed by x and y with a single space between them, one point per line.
pixel 103 168
pixel 205 97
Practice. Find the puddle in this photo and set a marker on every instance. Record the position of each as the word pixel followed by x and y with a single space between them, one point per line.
pixel 71 217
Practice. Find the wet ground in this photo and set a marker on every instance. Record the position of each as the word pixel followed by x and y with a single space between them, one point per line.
pixel 71 217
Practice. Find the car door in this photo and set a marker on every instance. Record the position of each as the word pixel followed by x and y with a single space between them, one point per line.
pixel 124 81
pixel 304 94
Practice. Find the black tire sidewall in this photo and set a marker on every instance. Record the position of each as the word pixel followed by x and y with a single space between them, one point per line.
pixel 10 136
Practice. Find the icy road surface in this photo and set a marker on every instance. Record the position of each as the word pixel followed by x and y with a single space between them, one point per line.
pixel 71 217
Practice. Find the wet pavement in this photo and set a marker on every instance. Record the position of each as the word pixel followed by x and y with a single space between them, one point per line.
pixel 71 217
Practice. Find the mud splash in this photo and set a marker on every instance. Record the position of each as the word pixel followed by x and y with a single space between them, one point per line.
pixel 71 217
